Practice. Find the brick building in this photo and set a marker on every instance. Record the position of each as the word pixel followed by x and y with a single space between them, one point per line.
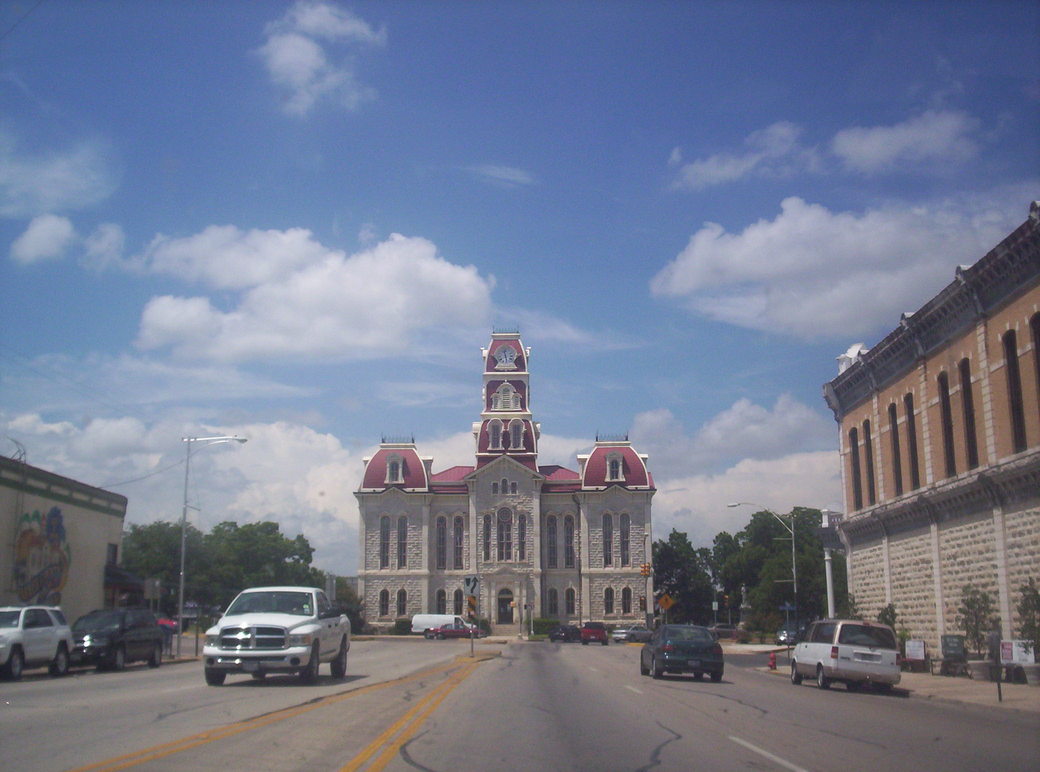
pixel 940 446
pixel 562 544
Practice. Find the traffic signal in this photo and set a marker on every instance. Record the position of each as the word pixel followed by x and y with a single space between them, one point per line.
pixel 642 603
pixel 725 601
pixel 645 569
pixel 471 607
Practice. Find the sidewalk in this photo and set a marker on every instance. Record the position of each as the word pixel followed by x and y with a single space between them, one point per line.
pixel 934 687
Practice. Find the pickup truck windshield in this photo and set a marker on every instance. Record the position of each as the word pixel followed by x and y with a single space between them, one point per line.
pixel 272 602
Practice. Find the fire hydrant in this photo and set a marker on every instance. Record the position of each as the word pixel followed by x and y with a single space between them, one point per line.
pixel 772 660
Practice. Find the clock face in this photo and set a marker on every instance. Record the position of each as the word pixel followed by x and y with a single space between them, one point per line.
pixel 505 355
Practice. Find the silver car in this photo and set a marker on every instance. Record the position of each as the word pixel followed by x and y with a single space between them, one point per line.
pixel 634 633
pixel 851 651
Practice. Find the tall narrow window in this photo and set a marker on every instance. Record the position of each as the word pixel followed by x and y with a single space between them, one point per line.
pixel 457 543
pixel 516 435
pixel 971 446
pixel 393 471
pixel 868 462
pixel 1016 409
pixel 505 535
pixel 402 542
pixel 568 542
pixel 608 600
pixel 402 603
pixel 494 487
pixel 553 598
pixel 384 603
pixel 521 538
pixel 384 542
pixel 608 540
pixel 946 420
pixel 568 599
pixel 626 537
pixel 1034 328
pixel 442 602
pixel 458 602
pixel 857 486
pixel 442 545
pixel 893 436
pixel 911 441
pixel 512 488
pixel 487 538
pixel 496 435
pixel 626 600
pixel 550 541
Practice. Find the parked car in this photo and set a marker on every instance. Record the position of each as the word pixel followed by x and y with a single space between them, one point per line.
pixel 31 636
pixel 593 632
pixel 682 649
pixel 457 629
pixel 848 650
pixel 631 634
pixel 110 638
pixel 565 633
pixel 425 624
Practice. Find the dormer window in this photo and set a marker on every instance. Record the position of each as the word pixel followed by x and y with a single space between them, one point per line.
pixel 516 435
pixel 394 470
pixel 615 468
pixel 505 398
pixel 495 435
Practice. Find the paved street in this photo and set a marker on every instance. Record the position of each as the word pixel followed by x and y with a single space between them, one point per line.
pixel 411 704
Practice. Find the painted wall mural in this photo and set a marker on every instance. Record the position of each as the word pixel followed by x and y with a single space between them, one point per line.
pixel 42 557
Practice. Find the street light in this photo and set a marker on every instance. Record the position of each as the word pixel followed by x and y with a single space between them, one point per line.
pixel 184 518
pixel 790 529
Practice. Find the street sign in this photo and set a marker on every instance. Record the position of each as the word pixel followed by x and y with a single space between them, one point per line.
pixel 786 607
pixel 471 584
pixel 665 601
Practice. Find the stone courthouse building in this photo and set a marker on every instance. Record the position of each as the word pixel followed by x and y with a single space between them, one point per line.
pixel 940 446
pixel 559 543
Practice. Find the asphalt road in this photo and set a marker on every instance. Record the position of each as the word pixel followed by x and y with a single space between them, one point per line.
pixel 416 705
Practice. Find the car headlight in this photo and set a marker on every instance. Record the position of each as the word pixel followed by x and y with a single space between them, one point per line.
pixel 212 640
pixel 301 639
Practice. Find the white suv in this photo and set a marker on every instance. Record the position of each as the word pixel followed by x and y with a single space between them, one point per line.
pixel 31 636
pixel 848 650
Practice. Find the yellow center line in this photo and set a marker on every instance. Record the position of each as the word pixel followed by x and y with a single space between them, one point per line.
pixel 403 729
pixel 186 743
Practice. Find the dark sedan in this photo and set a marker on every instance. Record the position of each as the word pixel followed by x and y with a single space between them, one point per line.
pixel 565 633
pixel 682 649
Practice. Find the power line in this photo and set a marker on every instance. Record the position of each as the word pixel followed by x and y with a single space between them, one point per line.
pixel 23 17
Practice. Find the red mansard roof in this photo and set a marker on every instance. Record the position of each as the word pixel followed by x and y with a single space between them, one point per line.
pixel 413 471
pixel 633 468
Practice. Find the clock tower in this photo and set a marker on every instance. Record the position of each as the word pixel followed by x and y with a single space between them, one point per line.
pixel 506 426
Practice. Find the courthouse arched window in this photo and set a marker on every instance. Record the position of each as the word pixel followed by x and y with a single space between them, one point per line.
pixel 857 489
pixel 626 600
pixel 487 537
pixel 495 430
pixel 971 444
pixel 384 542
pixel 568 598
pixel 946 421
pixel 384 603
pixel 442 544
pixel 608 600
pixel 505 535
pixel 402 603
pixel 553 602
pixel 1016 410
pixel 550 541
pixel 402 542
pixel 608 540
pixel 457 543
pixel 516 435
pixel 521 537
pixel 626 534
pixel 568 542
pixel 893 436
pixel 458 602
pixel 442 602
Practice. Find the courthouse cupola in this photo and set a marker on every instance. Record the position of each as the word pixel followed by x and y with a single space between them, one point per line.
pixel 614 462
pixel 396 465
pixel 506 426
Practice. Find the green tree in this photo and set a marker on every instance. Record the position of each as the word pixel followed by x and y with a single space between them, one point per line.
pixel 976 616
pixel 1028 609
pixel 887 616
pixel 153 551
pixel 682 573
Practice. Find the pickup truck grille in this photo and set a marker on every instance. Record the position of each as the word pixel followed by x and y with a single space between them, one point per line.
pixel 237 638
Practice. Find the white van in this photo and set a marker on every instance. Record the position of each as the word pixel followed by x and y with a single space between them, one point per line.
pixel 424 623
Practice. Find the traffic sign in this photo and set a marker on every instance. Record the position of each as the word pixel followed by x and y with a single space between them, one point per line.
pixel 471 584
pixel 665 601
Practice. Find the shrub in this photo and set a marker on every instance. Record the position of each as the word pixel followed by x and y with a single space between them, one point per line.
pixel 542 625
pixel 402 627
pixel 976 616
pixel 1029 615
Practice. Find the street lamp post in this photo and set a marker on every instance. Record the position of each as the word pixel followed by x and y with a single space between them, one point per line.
pixel 184 519
pixel 790 529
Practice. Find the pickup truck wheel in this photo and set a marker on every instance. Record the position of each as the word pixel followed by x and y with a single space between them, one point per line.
pixel 215 677
pixel 796 677
pixel 60 664
pixel 339 664
pixel 822 681
pixel 12 671
pixel 156 657
pixel 309 674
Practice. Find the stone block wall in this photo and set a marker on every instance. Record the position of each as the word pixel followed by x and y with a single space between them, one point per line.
pixel 913 585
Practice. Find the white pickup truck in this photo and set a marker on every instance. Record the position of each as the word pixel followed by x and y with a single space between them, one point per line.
pixel 277 630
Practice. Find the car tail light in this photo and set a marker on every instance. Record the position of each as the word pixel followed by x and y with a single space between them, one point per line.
pixel 717 649
pixel 668 647
pixel 834 652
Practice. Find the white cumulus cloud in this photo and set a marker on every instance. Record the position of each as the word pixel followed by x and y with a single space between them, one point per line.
pixel 316 303
pixel 48 237
pixel 813 273
pixel 773 151
pixel 308 55
pixel 932 137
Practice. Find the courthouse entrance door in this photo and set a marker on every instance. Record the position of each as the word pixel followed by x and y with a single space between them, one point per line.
pixel 505 607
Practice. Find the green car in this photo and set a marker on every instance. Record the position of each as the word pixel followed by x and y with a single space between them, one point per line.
pixel 682 649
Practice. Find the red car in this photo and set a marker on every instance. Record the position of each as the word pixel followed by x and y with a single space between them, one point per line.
pixel 593 632
pixel 455 631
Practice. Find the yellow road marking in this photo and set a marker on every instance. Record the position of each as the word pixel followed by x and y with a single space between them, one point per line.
pixel 186 743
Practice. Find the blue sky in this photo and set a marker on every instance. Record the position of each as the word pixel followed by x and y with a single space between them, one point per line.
pixel 299 223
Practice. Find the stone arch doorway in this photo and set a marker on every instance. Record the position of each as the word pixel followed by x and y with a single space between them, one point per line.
pixel 505 607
